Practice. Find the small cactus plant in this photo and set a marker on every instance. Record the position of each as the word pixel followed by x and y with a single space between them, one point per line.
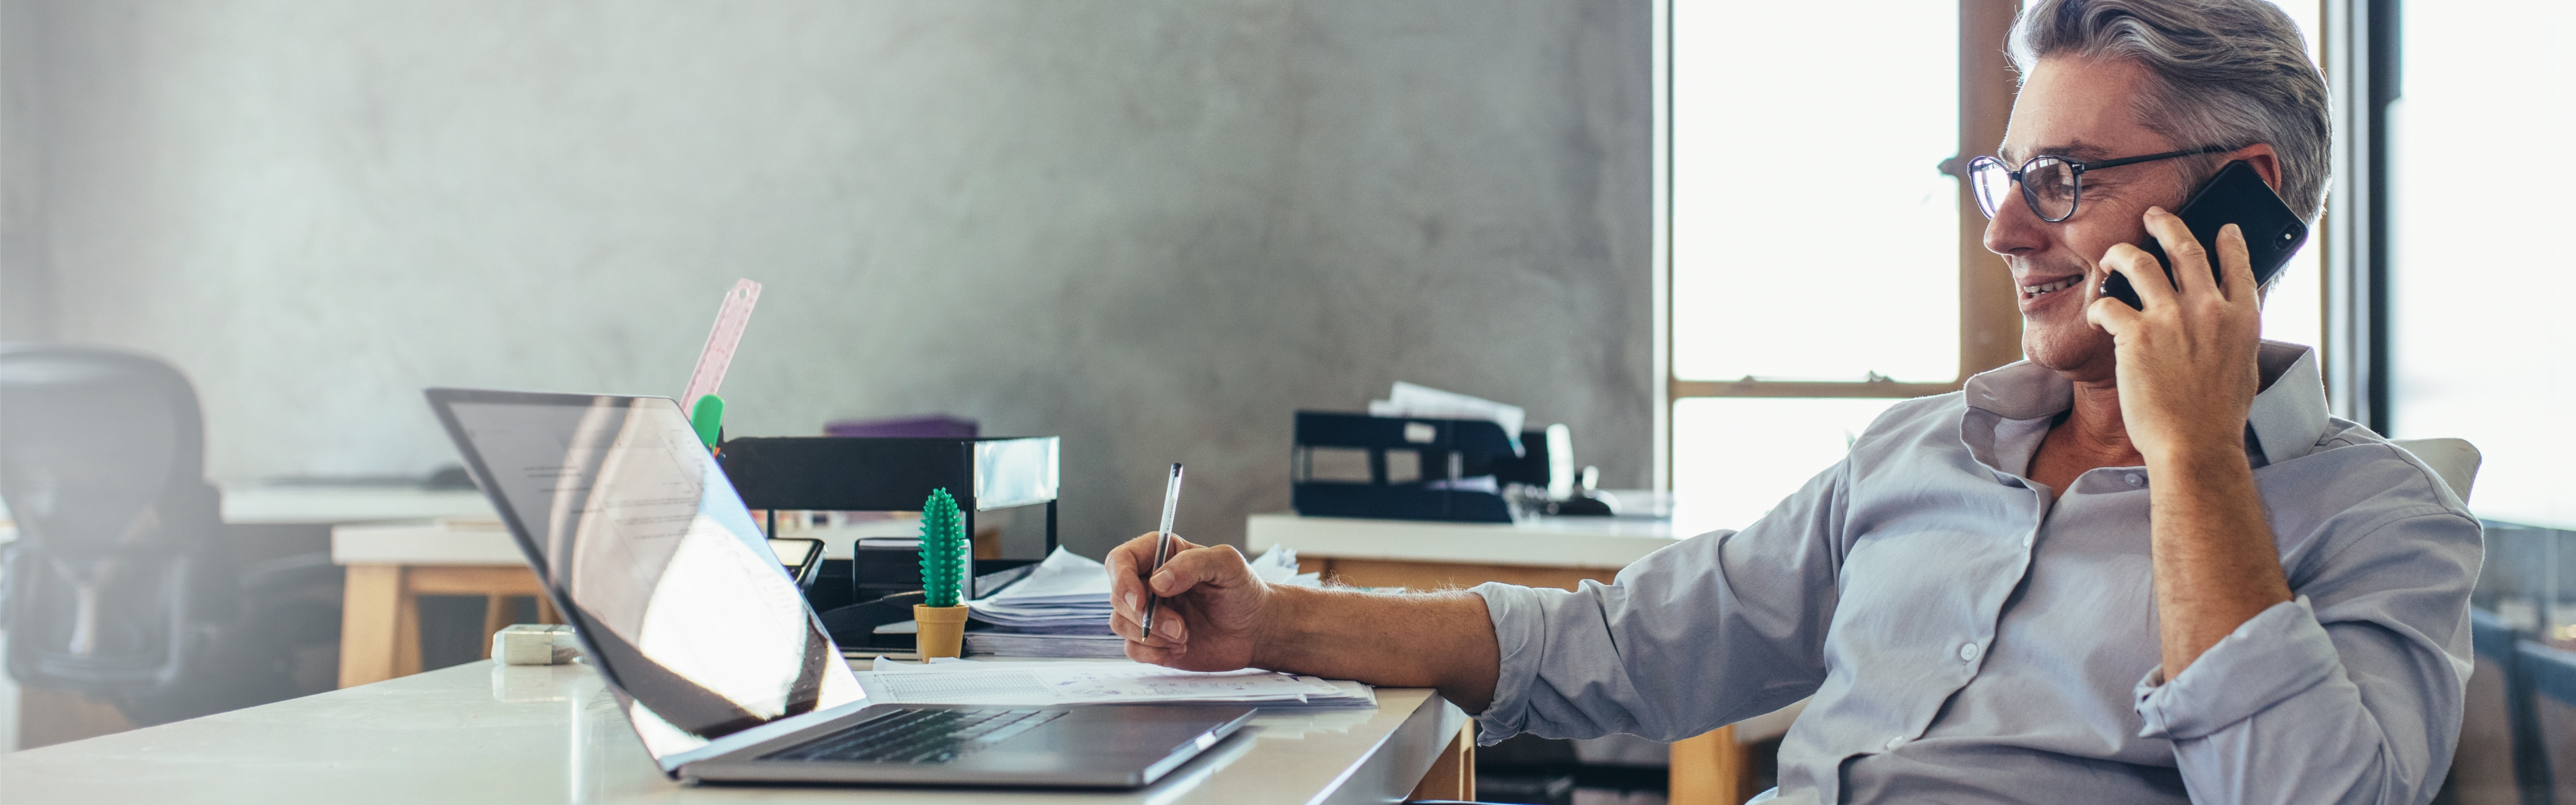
pixel 943 550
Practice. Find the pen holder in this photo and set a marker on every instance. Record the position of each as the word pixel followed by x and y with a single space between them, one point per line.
pixel 942 630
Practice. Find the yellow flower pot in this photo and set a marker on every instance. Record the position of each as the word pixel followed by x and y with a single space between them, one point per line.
pixel 943 630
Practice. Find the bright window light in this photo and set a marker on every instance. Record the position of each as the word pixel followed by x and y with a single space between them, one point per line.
pixel 2483 347
pixel 1733 457
pixel 2294 311
pixel 1814 237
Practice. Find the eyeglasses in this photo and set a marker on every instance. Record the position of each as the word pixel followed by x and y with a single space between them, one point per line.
pixel 2051 185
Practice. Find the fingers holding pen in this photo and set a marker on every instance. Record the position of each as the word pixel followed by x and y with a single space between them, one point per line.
pixel 1170 630
pixel 1218 566
pixel 1128 565
pixel 1131 591
pixel 1206 605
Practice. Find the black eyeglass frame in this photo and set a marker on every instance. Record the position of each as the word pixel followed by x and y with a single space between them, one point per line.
pixel 2078 168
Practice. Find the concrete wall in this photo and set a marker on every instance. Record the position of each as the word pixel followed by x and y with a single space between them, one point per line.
pixel 1151 228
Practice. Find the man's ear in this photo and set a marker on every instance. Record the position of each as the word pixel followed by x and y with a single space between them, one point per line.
pixel 2266 163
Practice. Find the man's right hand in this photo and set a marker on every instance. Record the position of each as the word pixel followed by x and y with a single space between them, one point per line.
pixel 1212 605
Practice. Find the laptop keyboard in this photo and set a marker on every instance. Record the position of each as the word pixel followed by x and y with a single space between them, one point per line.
pixel 918 735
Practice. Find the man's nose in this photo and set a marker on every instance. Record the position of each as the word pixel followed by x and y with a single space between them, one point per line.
pixel 2015 230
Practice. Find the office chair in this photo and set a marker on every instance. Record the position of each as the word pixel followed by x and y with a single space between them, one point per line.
pixel 2495 727
pixel 120 585
pixel 2455 460
pixel 2550 676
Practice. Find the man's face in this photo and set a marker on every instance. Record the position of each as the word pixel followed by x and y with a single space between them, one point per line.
pixel 2079 109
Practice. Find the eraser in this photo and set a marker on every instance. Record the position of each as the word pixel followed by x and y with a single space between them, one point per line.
pixel 535 644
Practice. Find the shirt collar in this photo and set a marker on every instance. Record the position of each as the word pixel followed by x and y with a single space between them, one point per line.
pixel 2287 421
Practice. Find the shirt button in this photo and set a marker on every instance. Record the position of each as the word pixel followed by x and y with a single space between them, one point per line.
pixel 1968 653
pixel 2134 479
pixel 1892 742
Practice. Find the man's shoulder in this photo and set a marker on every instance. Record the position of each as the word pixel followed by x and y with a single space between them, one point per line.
pixel 1910 420
pixel 2364 463
pixel 2357 484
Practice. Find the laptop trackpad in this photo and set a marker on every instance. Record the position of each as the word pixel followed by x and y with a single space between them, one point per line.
pixel 1141 734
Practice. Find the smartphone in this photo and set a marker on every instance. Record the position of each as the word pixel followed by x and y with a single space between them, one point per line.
pixel 2237 195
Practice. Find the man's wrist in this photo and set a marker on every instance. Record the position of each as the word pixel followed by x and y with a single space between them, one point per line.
pixel 2211 453
pixel 2199 460
pixel 1275 633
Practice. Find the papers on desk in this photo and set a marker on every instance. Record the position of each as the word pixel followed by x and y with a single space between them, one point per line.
pixel 1409 400
pixel 1062 609
pixel 1008 642
pixel 1020 684
pixel 1065 590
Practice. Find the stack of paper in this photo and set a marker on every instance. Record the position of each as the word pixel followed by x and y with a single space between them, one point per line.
pixel 1066 590
pixel 1009 642
pixel 1062 609
pixel 1410 400
pixel 1019 684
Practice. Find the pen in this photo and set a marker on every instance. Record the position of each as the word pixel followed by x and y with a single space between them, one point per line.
pixel 1162 543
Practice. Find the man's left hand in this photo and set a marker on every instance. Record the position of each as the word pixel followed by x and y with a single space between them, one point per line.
pixel 2186 364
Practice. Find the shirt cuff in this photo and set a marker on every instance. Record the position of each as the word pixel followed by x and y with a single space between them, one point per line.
pixel 2279 653
pixel 1521 631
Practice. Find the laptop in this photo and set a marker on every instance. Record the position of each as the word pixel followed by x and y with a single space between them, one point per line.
pixel 711 652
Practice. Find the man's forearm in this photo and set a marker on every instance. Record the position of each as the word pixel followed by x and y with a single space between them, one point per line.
pixel 2215 564
pixel 1440 640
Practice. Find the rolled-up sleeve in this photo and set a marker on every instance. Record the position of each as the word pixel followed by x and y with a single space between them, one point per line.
pixel 1711 630
pixel 2351 693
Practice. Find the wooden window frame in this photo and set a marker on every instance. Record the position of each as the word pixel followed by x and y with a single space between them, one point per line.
pixel 1989 320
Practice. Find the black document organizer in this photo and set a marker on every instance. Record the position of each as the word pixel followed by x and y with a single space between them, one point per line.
pixel 1450 448
pixel 828 473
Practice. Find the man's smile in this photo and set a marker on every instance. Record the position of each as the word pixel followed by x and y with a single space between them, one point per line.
pixel 2037 290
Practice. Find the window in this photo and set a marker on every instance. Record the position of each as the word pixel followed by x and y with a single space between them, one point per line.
pixel 2482 346
pixel 2295 309
pixel 1822 257
pixel 1822 261
pixel 1774 170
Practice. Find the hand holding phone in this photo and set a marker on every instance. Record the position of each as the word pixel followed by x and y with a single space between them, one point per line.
pixel 2237 195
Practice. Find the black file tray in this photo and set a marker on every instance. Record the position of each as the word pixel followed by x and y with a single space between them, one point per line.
pixel 1449 449
pixel 837 473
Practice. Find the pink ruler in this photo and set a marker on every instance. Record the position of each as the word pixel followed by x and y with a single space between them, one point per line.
pixel 718 354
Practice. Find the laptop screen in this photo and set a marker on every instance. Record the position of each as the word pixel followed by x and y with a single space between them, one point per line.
pixel 673 588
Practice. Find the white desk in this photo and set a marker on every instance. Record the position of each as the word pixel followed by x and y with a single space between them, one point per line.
pixel 1603 543
pixel 540 734
pixel 333 505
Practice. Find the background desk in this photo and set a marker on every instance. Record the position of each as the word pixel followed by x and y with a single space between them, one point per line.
pixel 1710 769
pixel 335 505
pixel 537 734
pixel 391 566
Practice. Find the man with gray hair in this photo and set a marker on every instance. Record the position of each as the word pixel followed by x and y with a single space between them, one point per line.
pixel 2143 565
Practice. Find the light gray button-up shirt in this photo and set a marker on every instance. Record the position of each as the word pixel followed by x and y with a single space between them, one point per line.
pixel 1971 635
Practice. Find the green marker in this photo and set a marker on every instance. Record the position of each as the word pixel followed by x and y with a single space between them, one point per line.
pixel 708 419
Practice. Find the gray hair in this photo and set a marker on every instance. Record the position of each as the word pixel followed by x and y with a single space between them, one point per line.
pixel 2230 72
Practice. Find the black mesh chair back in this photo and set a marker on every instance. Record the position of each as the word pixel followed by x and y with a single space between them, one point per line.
pixel 118 579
